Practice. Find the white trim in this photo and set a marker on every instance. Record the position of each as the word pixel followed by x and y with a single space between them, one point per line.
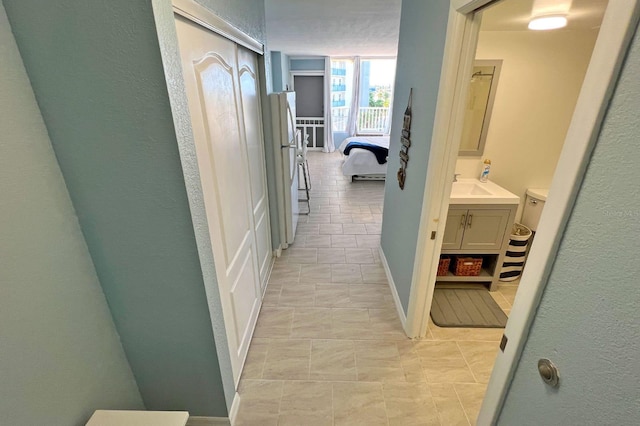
pixel 204 17
pixel 235 407
pixel 457 63
pixel 617 28
pixel 307 73
pixel 208 421
pixel 302 57
pixel 469 6
pixel 394 291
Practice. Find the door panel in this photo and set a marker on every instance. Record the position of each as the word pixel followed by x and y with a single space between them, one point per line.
pixel 263 247
pixel 250 93
pixel 216 91
pixel 211 76
pixel 454 229
pixel 485 229
pixel 244 307
pixel 309 95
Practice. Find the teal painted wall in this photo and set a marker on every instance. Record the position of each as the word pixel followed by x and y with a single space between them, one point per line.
pixel 60 355
pixel 588 322
pixel 310 64
pixel 98 77
pixel 276 70
pixel 280 71
pixel 423 28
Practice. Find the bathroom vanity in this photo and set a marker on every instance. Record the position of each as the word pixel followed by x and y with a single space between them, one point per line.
pixel 479 222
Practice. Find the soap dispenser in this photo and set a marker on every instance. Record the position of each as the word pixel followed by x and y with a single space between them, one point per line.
pixel 486 167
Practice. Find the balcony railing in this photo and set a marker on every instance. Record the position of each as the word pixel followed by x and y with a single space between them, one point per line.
pixel 373 119
pixel 338 87
pixel 370 119
pixel 338 71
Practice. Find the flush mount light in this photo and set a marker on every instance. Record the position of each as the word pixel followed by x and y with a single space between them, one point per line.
pixel 548 22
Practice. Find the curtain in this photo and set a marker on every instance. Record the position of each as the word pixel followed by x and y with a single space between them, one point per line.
pixel 329 145
pixel 387 125
pixel 352 122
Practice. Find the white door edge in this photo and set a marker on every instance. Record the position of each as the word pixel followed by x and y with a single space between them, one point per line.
pixel 617 28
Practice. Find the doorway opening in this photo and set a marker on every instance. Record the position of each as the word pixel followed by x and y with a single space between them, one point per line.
pixel 523 89
pixel 581 129
pixel 310 97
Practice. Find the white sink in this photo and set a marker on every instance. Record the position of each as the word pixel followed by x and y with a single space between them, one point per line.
pixel 468 188
pixel 472 191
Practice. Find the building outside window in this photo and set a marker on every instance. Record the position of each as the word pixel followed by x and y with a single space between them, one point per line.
pixel 375 94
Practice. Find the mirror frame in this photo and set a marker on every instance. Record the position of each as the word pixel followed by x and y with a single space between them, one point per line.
pixel 497 63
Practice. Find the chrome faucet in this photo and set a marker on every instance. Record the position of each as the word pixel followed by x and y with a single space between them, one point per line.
pixel 455 176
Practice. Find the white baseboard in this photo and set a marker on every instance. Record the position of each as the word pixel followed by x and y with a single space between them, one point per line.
pixel 394 291
pixel 235 406
pixel 208 421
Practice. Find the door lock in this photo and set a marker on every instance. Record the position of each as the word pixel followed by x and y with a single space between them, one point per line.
pixel 549 372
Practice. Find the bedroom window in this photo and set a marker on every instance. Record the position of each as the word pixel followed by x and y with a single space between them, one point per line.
pixel 361 105
pixel 375 95
pixel 341 93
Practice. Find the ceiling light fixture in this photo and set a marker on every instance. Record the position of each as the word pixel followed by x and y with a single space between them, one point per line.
pixel 548 22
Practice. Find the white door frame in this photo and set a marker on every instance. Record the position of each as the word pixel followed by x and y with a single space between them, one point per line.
pixel 618 26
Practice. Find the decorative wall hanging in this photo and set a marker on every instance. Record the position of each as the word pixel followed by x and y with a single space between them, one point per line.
pixel 405 140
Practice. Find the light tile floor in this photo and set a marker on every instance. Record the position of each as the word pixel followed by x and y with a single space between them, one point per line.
pixel 329 348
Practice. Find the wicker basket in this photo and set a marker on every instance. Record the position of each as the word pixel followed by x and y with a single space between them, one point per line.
pixel 443 265
pixel 468 266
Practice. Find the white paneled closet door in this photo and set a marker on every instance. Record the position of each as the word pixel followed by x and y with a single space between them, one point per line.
pixel 221 82
pixel 252 112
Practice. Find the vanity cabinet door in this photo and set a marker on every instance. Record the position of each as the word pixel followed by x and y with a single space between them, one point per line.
pixel 484 229
pixel 454 229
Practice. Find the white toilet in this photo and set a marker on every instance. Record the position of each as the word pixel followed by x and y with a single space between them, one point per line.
pixel 533 205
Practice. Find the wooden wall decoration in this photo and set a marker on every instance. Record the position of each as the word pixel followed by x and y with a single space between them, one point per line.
pixel 405 141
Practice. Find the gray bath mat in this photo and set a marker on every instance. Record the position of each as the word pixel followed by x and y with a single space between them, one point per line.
pixel 456 307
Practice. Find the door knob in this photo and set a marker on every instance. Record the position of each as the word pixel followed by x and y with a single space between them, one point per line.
pixel 549 372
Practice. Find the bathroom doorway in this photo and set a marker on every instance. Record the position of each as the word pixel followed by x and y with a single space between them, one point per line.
pixel 516 116
pixel 585 118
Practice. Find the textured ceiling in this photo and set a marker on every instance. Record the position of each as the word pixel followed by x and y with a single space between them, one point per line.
pixel 333 27
pixel 371 27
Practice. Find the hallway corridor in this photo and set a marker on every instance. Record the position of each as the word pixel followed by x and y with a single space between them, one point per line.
pixel 329 348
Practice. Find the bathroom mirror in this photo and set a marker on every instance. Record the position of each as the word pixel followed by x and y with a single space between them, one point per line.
pixel 482 91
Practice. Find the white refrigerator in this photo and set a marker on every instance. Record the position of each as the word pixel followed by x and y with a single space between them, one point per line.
pixel 287 144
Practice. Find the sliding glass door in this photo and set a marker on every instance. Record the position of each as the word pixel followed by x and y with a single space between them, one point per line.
pixel 361 96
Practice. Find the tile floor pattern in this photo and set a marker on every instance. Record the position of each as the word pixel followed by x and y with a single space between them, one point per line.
pixel 329 348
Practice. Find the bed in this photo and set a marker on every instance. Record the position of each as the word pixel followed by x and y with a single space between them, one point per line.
pixel 362 164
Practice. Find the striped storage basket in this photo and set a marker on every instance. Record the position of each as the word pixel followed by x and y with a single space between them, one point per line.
pixel 516 253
